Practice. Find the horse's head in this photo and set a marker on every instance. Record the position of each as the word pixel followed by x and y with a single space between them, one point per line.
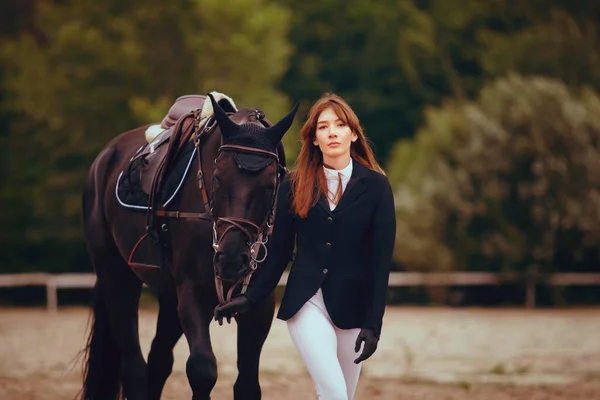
pixel 246 177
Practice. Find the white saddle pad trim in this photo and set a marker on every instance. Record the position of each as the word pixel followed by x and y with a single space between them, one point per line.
pixel 169 200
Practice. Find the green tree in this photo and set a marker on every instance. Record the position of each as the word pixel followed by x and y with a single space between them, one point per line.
pixel 543 37
pixel 369 53
pixel 93 70
pixel 391 59
pixel 472 41
pixel 16 17
pixel 509 182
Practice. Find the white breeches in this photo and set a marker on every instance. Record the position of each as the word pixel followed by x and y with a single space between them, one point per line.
pixel 327 351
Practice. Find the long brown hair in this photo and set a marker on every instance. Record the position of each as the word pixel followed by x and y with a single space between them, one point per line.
pixel 308 175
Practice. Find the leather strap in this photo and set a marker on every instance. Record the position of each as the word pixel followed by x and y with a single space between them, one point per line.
pixel 184 215
pixel 252 150
pixel 200 173
pixel 220 292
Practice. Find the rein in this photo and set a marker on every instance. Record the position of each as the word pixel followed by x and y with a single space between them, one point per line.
pixel 241 224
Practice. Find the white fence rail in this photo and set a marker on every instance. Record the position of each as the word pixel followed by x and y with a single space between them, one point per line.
pixel 53 282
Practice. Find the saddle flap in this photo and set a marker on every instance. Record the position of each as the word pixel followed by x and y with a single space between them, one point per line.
pixel 159 140
pixel 150 166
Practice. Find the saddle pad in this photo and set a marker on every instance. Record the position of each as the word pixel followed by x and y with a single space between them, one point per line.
pixel 129 191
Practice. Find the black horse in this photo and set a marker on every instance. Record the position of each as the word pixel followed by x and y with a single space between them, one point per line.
pixel 210 239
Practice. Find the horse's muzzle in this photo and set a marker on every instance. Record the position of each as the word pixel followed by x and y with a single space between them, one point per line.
pixel 231 268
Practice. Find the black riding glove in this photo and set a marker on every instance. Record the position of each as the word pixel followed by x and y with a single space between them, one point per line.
pixel 370 339
pixel 237 305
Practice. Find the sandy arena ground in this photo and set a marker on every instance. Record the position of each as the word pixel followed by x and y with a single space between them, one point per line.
pixel 424 353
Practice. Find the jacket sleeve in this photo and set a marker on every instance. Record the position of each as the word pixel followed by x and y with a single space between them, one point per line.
pixel 384 236
pixel 279 247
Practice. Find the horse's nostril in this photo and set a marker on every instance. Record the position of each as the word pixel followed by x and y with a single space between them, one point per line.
pixel 231 265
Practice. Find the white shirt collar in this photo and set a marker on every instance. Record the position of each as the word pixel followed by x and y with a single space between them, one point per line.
pixel 346 172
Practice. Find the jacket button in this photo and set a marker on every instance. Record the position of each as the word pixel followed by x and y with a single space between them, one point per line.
pixel 329 219
pixel 328 245
pixel 325 271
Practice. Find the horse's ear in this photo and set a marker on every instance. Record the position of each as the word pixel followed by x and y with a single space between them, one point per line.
pixel 276 132
pixel 227 126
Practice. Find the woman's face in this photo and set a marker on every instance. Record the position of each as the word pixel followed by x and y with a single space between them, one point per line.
pixel 333 136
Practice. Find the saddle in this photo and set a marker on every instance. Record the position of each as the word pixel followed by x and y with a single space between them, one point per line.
pixel 152 156
pixel 156 171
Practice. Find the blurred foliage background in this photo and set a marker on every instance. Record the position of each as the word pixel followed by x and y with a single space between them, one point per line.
pixel 484 113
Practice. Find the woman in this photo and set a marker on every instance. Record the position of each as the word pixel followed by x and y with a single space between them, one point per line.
pixel 337 207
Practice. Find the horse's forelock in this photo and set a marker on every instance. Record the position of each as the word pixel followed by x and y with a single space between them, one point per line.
pixel 249 116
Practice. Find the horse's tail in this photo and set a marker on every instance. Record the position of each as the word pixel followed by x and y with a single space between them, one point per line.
pixel 102 365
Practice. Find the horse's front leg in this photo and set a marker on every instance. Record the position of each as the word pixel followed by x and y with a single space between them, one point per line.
pixel 195 317
pixel 253 328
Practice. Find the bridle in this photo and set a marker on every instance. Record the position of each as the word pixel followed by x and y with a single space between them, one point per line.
pixel 243 225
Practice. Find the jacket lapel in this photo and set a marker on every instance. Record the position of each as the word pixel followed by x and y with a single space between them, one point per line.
pixel 354 188
pixel 324 203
